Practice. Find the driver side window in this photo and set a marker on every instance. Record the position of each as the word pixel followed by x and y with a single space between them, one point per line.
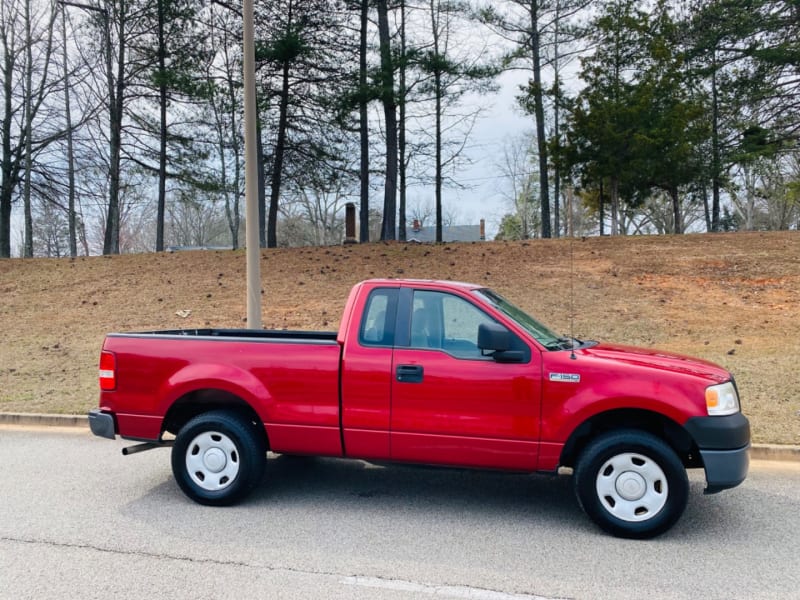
pixel 446 322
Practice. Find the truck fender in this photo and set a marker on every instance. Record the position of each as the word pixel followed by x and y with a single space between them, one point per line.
pixel 669 399
pixel 226 378
pixel 626 416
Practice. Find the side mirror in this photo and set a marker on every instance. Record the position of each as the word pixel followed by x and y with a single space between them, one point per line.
pixel 493 336
pixel 495 340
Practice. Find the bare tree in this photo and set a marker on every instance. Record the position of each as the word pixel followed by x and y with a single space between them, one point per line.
pixel 195 219
pixel 26 71
pixel 519 168
pixel 657 215
pixel 322 198
pixel 423 213
pixel 764 193
pixel 781 192
pixel 119 22
pixel 224 105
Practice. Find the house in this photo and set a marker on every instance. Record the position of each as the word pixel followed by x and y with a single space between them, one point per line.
pixel 450 233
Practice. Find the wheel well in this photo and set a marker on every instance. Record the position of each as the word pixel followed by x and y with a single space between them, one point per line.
pixel 656 424
pixel 198 402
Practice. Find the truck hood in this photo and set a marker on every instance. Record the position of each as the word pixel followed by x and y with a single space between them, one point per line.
pixel 658 360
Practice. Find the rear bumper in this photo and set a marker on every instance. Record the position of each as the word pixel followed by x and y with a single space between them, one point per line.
pixel 102 424
pixel 724 444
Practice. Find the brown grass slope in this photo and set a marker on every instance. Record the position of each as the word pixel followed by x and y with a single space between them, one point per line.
pixel 730 298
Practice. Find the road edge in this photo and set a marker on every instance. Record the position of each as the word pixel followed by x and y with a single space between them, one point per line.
pixel 774 452
pixel 44 420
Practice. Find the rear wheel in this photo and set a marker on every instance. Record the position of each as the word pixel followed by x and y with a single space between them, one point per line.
pixel 631 484
pixel 218 458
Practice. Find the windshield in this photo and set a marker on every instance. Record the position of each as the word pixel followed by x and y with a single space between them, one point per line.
pixel 541 333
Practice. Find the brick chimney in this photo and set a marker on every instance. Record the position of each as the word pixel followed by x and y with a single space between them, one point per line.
pixel 350 223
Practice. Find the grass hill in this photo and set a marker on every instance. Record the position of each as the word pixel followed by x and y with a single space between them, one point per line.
pixel 730 298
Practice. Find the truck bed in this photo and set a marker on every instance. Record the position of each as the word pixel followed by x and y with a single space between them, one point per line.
pixel 264 335
pixel 289 378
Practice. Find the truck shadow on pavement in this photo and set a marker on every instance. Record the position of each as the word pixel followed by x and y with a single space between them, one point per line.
pixel 298 479
pixel 294 487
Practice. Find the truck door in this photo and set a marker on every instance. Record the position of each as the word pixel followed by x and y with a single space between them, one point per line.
pixel 450 404
pixel 366 384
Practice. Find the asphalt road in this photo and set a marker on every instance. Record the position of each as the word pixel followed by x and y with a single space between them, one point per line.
pixel 79 520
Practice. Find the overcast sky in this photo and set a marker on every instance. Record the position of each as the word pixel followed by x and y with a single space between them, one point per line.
pixel 483 196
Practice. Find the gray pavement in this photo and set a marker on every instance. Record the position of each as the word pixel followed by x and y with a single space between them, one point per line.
pixel 79 520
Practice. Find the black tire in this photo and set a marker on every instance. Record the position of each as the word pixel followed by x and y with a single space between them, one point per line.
pixel 218 458
pixel 631 484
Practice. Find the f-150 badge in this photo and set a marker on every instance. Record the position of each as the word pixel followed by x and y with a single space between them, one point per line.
pixel 565 377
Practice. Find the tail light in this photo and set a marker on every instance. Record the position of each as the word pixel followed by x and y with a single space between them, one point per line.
pixel 108 371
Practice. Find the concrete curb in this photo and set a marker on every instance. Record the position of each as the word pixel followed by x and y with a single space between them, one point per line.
pixel 44 420
pixel 777 452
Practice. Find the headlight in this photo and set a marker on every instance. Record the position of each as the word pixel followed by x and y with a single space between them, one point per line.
pixel 722 399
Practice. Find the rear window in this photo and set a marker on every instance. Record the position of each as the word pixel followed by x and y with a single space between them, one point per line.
pixel 377 324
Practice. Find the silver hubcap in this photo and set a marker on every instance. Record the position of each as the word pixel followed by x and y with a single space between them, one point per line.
pixel 212 461
pixel 632 487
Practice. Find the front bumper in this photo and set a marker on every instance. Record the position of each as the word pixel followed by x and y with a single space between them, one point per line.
pixel 724 445
pixel 725 468
pixel 102 424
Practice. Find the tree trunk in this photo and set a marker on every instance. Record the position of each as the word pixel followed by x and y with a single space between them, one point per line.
pixel 614 206
pixel 602 210
pixel 8 181
pixel 438 182
pixel 390 116
pixel 224 176
pixel 538 109
pixel 402 126
pixel 363 125
pixel 556 125
pixel 71 217
pixel 231 191
pixel 715 150
pixel 437 94
pixel 262 184
pixel 277 167
pixel 676 210
pixel 162 150
pixel 28 99
pixel 115 106
pixel 706 209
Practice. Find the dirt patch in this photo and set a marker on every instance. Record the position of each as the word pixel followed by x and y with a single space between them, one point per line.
pixel 729 298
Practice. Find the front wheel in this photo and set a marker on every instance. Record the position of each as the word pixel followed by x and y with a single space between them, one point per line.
pixel 218 458
pixel 631 484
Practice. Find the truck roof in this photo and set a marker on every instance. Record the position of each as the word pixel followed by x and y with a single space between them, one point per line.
pixel 437 283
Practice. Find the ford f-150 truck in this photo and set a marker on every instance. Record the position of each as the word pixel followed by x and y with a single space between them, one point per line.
pixel 436 373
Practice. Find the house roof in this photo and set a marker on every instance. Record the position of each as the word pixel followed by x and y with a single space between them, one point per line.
pixel 451 233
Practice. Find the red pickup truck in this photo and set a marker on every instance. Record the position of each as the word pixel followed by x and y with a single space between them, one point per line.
pixel 431 372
